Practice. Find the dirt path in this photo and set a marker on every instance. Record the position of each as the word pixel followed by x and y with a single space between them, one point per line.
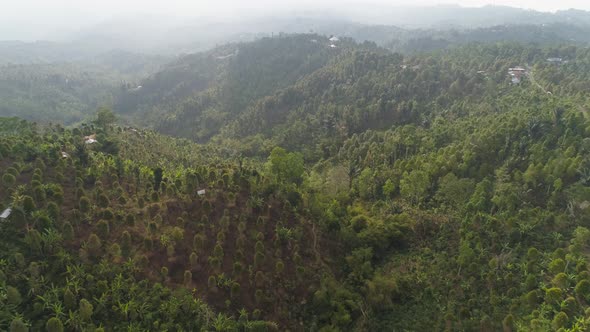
pixel 318 257
pixel 535 83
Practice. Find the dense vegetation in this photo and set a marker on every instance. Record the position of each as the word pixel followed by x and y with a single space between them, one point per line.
pixel 69 92
pixel 345 188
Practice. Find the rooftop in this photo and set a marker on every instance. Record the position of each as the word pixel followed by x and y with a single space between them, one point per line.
pixel 6 213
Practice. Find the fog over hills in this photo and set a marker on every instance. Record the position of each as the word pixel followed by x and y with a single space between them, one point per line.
pixel 173 35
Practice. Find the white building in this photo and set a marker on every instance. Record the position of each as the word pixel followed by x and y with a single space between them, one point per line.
pixel 5 214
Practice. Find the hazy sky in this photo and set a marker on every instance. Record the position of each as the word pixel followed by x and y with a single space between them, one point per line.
pixel 20 8
pixel 33 18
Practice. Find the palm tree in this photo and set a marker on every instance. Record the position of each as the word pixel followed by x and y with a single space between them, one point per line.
pixel 222 324
pixel 124 308
pixel 74 322
pixel 101 302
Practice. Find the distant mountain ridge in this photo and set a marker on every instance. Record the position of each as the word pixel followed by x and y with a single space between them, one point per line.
pixel 381 24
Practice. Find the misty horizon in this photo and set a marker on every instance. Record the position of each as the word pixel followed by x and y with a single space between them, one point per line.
pixel 60 21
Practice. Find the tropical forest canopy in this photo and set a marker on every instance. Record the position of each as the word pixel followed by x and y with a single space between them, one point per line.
pixel 301 182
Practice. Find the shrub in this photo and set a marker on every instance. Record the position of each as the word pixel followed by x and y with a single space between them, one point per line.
pixel 84 204
pixel 152 227
pixel 19 259
pixel 211 282
pixel 13 295
pixel 241 241
pixel 115 250
pixel 17 325
pixel 69 299
pixel 239 254
pixel 143 261
pixel 103 201
pixel 54 325
pixel 556 266
pixel 582 289
pixel 218 251
pixel 68 231
pixel 508 323
pixel 170 250
pixel 221 236
pixel 560 280
pixel 258 296
pixel 177 234
pixel 198 242
pixel 12 171
pixel 39 193
pixel 8 180
pixel 108 214
pixel 238 268
pixel 43 222
pixel 258 259
pixel 256 314
pixel 130 220
pixel 188 278
pixel 28 204
pixel 94 245
pixel 194 260
pixel 279 267
pixel 103 229
pixel 559 321
pixel 259 247
pixel 234 290
pixel 86 310
pixel 553 295
pixel 214 262
pixel 148 243
pixel 53 210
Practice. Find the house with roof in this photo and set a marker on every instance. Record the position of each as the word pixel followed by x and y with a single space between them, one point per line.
pixel 516 74
pixel 555 61
pixel 91 139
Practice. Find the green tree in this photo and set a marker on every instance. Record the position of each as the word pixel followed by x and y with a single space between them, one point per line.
pixel 94 245
pixel 366 184
pixel 454 191
pixel 389 188
pixel 8 180
pixel 68 231
pixel 582 289
pixel 54 325
pixel 13 295
pixel 559 321
pixel 17 325
pixel 105 117
pixel 415 185
pixel 69 299
pixel 286 166
pixel 86 309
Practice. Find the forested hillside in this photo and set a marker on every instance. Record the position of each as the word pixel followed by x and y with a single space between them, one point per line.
pixel 313 185
pixel 65 91
pixel 196 95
